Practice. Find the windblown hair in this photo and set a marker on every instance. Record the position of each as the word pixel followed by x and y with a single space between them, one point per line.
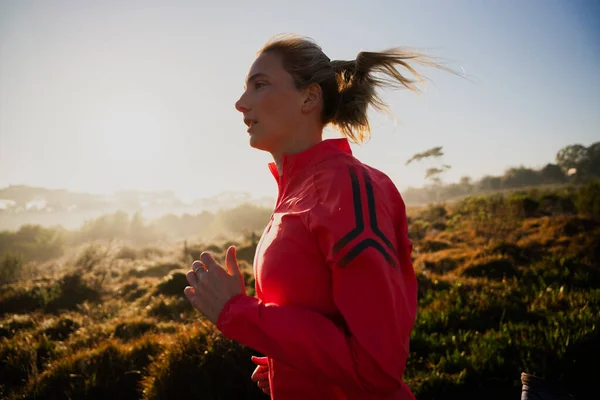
pixel 348 87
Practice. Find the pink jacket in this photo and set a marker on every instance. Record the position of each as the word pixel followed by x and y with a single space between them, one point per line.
pixel 336 294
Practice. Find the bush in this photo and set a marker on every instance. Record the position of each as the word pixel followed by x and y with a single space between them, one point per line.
pixel 133 329
pixel 10 268
pixel 204 366
pixel 127 253
pixel 173 285
pixel 89 257
pixel 171 309
pixel 491 268
pixel 588 199
pixel 522 206
pixel 110 371
pixel 430 246
pixel 61 329
pixel 15 324
pixel 22 358
pixel 72 291
pixel 18 299
pixel 245 253
pixel 132 291
pixel 32 243
pixel 157 270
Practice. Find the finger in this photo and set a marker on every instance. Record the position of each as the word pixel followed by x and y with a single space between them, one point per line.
pixel 192 279
pixel 260 369
pixel 190 293
pixel 209 261
pixel 263 384
pixel 232 264
pixel 196 265
pixel 262 377
pixel 267 391
pixel 198 300
pixel 260 360
pixel 259 375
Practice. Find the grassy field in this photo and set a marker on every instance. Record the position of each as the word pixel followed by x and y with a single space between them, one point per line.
pixel 507 284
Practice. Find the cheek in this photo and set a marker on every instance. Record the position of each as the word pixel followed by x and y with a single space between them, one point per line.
pixel 277 109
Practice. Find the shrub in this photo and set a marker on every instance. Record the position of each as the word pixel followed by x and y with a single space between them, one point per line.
pixel 245 253
pixel 132 291
pixel 19 299
pixel 61 329
pixel 33 243
pixel 588 199
pixel 157 270
pixel 433 246
pixel 128 330
pixel 203 365
pixel 127 253
pixel 89 257
pixel 173 285
pixel 171 309
pixel 491 267
pixel 522 206
pixel 109 371
pixel 23 357
pixel 15 324
pixel 10 268
pixel 72 291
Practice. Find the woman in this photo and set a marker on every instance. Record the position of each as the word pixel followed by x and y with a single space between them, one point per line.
pixel 336 294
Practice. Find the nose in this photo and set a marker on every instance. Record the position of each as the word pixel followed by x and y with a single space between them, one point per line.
pixel 242 105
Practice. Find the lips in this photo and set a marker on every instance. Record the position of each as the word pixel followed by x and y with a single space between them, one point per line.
pixel 250 123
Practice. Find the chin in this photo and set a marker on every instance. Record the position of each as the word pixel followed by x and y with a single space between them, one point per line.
pixel 259 143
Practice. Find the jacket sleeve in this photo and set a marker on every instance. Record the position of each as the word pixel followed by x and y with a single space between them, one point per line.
pixel 360 227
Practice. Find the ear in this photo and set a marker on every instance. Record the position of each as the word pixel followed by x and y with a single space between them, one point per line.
pixel 312 97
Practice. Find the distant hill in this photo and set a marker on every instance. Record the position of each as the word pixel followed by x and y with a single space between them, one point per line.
pixel 20 204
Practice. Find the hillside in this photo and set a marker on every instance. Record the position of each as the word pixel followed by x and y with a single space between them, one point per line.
pixel 507 284
pixel 20 205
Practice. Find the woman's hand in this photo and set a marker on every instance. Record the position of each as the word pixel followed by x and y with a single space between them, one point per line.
pixel 212 286
pixel 261 374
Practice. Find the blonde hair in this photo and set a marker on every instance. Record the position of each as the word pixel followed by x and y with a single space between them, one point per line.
pixel 348 87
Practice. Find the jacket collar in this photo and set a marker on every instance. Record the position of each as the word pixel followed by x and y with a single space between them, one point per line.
pixel 294 163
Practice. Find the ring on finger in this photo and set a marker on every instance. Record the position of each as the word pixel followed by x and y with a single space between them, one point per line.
pixel 200 268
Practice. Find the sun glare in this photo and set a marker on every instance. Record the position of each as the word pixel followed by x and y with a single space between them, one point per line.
pixel 131 136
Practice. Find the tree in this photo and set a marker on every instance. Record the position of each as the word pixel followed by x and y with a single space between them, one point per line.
pixel 572 156
pixel 433 152
pixel 489 182
pixel 520 176
pixel 552 173
pixel 592 163
pixel 433 174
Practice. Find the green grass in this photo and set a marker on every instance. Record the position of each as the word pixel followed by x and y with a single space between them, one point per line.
pixel 507 284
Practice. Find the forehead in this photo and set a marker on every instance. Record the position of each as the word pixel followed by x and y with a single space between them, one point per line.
pixel 269 64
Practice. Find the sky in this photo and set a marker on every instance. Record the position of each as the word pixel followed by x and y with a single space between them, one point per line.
pixel 106 96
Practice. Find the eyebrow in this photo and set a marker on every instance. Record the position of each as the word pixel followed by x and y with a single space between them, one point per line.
pixel 256 76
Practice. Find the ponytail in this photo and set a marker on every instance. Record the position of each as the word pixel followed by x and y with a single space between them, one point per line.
pixel 348 87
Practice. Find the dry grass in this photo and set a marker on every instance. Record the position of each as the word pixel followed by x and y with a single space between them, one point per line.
pixel 505 285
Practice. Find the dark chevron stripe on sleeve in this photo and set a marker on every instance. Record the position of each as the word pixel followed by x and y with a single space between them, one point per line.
pixel 360 224
pixel 373 213
pixel 365 244
pixel 358 214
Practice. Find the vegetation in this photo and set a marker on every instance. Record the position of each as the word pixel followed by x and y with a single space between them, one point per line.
pixel 508 283
pixel 574 164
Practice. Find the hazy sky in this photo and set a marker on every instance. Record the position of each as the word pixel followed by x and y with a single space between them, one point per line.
pixel 117 95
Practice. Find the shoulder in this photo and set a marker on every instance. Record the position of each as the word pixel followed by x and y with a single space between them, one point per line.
pixel 344 179
pixel 358 208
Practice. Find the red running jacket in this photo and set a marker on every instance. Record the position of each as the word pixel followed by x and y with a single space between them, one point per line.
pixel 336 294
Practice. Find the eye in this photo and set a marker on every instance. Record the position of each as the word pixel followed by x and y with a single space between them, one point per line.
pixel 258 85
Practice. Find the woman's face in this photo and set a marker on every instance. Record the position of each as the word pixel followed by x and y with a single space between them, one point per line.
pixel 271 104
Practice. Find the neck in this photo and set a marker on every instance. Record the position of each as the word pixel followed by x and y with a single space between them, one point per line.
pixel 294 146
